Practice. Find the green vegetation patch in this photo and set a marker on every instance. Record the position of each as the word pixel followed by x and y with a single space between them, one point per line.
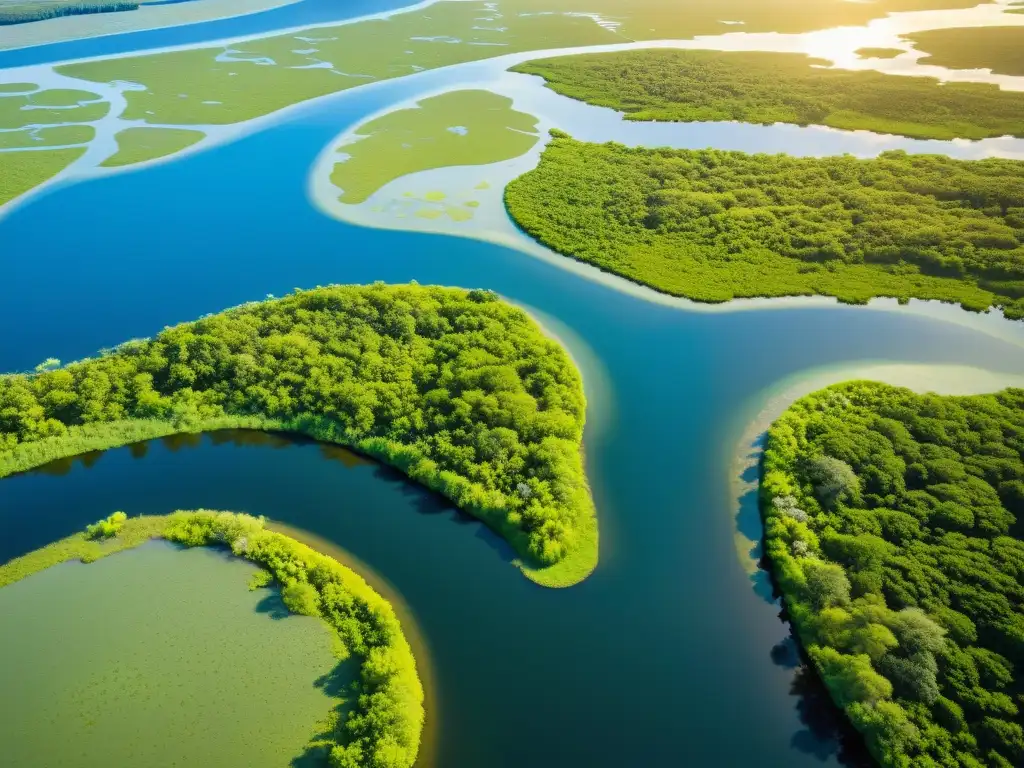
pixel 457 389
pixel 892 524
pixel 713 225
pixel 21 171
pixel 24 11
pixel 1000 49
pixel 137 145
pixel 58 135
pixel 58 105
pixel 456 128
pixel 780 88
pixel 879 53
pixel 378 718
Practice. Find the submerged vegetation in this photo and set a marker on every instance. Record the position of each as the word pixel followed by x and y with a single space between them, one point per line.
pixel 1000 49
pixel 893 528
pixel 383 728
pixel 455 388
pixel 780 88
pixel 713 225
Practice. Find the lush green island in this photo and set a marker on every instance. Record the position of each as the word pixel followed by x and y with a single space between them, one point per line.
pixel 1000 49
pixel 712 225
pixel 460 391
pixel 380 726
pixel 23 11
pixel 780 88
pixel 892 526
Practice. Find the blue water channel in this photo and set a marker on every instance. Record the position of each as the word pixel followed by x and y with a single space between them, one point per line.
pixel 666 656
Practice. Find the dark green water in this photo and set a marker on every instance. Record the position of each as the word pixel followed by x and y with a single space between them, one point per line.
pixel 666 656
pixel 157 657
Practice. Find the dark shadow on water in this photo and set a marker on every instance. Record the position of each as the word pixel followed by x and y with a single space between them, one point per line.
pixel 175 443
pixel 427 502
pixel 339 684
pixel 827 733
pixel 61 467
pixel 272 605
pixel 786 654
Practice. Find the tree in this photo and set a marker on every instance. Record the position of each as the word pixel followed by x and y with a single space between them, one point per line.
pixel 302 598
pixel 834 480
pixel 827 584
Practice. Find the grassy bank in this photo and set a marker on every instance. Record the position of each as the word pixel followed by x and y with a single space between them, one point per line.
pixel 1000 49
pixel 780 88
pixel 460 391
pixel 712 225
pixel 892 525
pixel 383 729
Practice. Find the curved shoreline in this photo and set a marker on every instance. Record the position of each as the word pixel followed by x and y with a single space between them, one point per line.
pixel 427 757
pixel 176 528
pixel 773 401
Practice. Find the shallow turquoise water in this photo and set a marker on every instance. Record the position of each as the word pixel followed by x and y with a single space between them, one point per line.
pixel 156 657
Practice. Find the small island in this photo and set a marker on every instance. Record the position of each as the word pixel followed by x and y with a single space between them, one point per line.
pixel 460 391
pixel 713 225
pixel 893 532
pixel 378 726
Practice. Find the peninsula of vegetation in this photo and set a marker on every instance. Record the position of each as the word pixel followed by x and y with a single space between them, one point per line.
pixel 780 88
pixel 713 225
pixel 893 529
pixel 382 728
pixel 458 390
pixel 1000 49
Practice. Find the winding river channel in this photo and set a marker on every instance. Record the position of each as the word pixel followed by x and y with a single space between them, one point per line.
pixel 672 652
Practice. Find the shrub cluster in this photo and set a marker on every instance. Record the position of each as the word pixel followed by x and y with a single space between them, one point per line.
pixel 713 225
pixel 460 391
pixel 106 528
pixel 892 529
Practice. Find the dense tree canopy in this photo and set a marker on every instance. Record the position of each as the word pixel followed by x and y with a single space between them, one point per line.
pixel 713 225
pixel 892 524
pixel 457 389
pixel 780 88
